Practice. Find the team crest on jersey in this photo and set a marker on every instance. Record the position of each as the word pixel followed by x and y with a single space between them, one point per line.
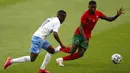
pixel 97 16
pixel 94 20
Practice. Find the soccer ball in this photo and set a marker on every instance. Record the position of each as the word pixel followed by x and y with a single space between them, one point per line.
pixel 116 58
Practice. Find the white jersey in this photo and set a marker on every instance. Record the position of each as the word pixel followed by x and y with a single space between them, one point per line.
pixel 50 25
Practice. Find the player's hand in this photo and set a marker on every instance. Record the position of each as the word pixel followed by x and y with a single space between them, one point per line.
pixel 62 46
pixel 119 12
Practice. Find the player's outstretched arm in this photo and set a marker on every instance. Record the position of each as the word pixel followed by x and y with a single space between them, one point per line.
pixel 110 19
pixel 55 34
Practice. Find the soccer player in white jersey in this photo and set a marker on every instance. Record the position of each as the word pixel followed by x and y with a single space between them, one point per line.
pixel 39 41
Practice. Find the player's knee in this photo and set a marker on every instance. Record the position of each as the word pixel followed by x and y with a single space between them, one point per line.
pixel 72 52
pixel 33 59
pixel 81 54
pixel 52 51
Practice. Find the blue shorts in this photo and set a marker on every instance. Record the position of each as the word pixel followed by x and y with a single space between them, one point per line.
pixel 38 44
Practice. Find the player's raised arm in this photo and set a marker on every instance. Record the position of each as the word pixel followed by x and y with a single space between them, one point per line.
pixel 110 19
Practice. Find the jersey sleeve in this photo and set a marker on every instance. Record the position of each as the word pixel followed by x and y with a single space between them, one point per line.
pixel 56 27
pixel 101 15
pixel 83 18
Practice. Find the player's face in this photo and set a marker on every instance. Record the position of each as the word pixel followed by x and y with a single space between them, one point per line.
pixel 92 8
pixel 62 18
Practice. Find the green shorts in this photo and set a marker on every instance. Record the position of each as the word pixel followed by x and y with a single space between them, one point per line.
pixel 78 39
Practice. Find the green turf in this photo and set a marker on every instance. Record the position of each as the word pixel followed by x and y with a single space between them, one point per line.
pixel 19 19
pixel 4 3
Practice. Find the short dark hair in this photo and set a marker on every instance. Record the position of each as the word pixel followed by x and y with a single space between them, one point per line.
pixel 61 11
pixel 92 2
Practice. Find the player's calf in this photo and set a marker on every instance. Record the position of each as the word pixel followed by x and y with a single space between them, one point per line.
pixel 81 51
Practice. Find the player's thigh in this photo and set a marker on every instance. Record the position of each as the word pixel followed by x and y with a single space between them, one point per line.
pixel 75 43
pixel 73 48
pixel 83 45
pixel 36 45
pixel 76 39
pixel 81 51
pixel 48 47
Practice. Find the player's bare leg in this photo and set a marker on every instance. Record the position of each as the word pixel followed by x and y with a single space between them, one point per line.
pixel 81 51
pixel 47 58
pixel 10 61
pixel 33 57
